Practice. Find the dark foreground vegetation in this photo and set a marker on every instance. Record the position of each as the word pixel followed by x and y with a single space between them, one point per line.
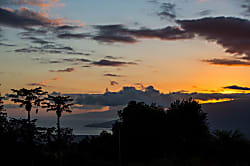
pixel 144 135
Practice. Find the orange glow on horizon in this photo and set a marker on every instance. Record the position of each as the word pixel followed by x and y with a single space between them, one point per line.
pixel 213 101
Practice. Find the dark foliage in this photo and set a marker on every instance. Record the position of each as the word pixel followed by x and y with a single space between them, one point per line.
pixel 140 131
pixel 143 135
pixel 187 127
pixel 28 98
pixel 3 117
pixel 59 104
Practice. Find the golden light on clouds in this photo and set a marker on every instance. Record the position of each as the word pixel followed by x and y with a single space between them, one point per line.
pixel 214 101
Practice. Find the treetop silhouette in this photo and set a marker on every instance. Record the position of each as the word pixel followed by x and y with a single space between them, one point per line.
pixel 28 98
pixel 3 115
pixel 59 104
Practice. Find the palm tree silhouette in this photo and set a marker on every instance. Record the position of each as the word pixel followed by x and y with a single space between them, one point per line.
pixel 3 116
pixel 58 104
pixel 2 113
pixel 1 103
pixel 28 98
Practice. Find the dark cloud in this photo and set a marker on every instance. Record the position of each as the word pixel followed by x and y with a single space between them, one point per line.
pixel 37 84
pixel 112 34
pixel 24 18
pixel 7 45
pixel 53 62
pixel 140 85
pixel 114 83
pixel 227 62
pixel 26 50
pixel 148 95
pixel 112 75
pixel 104 62
pixel 47 41
pixel 112 57
pixel 10 18
pixel 66 28
pixel 64 70
pixel 236 87
pixel 230 32
pixel 119 33
pixel 246 5
pixel 76 60
pixel 154 1
pixel 50 48
pixel 38 40
pixel 44 83
pixel 72 61
pixel 168 33
pixel 31 32
pixel 78 53
pixel 167 11
pixel 205 12
pixel 68 48
pixel 86 66
pixel 72 36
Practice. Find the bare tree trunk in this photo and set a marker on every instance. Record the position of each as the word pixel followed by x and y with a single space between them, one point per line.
pixel 28 116
pixel 58 128
pixel 28 107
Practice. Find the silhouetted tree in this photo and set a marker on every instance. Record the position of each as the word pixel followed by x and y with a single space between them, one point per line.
pixel 231 147
pixel 3 116
pixel 1 103
pixel 139 132
pixel 58 104
pixel 187 126
pixel 24 131
pixel 28 98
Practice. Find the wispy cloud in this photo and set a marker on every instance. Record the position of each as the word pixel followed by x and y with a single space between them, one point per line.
pixel 112 57
pixel 120 33
pixel 67 70
pixel 112 75
pixel 205 12
pixel 49 48
pixel 167 11
pixel 7 45
pixel 236 87
pixel 227 62
pixel 114 83
pixel 104 62
pixel 72 36
pixel 44 83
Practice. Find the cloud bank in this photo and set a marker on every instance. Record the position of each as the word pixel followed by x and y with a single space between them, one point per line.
pixel 148 95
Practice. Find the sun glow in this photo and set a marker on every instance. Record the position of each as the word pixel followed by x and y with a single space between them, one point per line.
pixel 213 100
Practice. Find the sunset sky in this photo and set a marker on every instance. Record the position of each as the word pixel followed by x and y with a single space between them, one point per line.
pixel 107 53
pixel 88 46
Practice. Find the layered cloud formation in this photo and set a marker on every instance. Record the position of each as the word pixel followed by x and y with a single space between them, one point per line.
pixel 230 32
pixel 120 33
pixel 150 95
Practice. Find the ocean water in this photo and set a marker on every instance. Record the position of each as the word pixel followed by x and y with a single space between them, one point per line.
pixel 78 125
